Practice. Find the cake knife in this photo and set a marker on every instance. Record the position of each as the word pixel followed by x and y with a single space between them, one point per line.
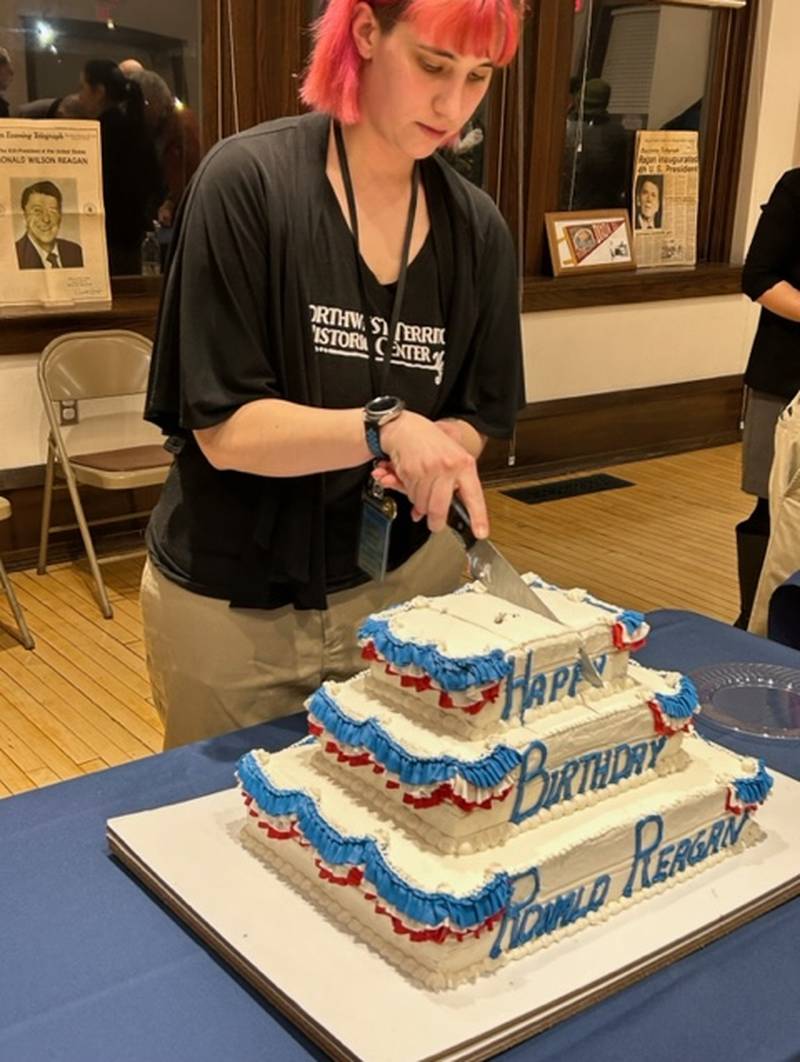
pixel 488 565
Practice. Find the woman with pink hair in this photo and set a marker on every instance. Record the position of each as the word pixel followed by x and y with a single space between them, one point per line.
pixel 339 319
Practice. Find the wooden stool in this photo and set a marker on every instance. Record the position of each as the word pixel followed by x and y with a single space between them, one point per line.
pixel 22 632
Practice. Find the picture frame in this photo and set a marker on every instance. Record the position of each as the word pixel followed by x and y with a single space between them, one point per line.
pixel 590 241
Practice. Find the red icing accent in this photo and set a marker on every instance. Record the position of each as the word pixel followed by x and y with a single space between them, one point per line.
pixel 279 835
pixel 314 728
pixel 354 876
pixel 661 726
pixel 440 795
pixel 622 640
pixel 445 793
pixel 733 807
pixel 439 934
pixel 420 683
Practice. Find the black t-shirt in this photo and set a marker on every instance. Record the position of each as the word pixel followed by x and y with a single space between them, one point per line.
pixel 773 256
pixel 342 352
pixel 262 300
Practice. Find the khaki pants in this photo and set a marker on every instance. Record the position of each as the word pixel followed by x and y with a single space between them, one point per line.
pixel 783 551
pixel 215 669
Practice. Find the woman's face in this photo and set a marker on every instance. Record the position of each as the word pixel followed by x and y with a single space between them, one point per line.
pixel 92 99
pixel 419 96
pixel 648 199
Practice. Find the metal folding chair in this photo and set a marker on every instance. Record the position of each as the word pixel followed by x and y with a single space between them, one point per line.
pixel 22 633
pixel 96 370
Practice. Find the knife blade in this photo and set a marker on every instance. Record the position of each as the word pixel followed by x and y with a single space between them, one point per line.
pixel 501 578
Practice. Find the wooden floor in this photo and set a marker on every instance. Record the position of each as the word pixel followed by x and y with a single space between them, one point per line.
pixel 81 700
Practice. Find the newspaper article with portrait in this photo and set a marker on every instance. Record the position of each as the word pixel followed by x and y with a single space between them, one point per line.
pixel 53 254
pixel 665 192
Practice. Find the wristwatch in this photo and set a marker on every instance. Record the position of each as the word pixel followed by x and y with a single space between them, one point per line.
pixel 377 412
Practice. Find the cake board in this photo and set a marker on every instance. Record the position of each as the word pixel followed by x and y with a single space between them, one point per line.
pixel 192 857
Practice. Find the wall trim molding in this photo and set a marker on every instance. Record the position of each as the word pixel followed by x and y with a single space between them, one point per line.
pixel 587 431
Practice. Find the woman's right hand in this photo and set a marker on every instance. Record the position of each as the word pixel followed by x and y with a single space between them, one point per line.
pixel 429 466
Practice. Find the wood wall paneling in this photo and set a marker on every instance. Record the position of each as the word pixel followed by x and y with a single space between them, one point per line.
pixel 587 431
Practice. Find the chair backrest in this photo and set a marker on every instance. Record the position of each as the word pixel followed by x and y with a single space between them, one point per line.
pixel 82 365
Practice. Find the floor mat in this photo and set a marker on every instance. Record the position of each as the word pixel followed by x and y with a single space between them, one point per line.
pixel 566 488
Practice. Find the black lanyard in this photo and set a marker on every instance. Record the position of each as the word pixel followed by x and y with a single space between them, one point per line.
pixel 378 384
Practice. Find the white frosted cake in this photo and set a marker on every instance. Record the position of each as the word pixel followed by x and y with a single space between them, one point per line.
pixel 469 796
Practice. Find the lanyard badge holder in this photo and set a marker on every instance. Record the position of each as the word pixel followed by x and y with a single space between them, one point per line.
pixel 378 510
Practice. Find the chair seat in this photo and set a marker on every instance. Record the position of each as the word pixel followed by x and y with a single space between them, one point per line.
pixel 5 508
pixel 129 459
pixel 134 466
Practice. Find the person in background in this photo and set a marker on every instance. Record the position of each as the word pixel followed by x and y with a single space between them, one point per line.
pixel 52 107
pixel 129 67
pixel 771 277
pixel 6 77
pixel 341 310
pixel 130 170
pixel 598 152
pixel 174 131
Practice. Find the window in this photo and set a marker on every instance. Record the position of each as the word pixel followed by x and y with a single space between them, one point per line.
pixel 647 64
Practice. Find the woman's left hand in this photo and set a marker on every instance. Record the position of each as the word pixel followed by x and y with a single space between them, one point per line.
pixel 386 475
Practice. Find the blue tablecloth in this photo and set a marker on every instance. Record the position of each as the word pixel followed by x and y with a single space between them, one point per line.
pixel 93 969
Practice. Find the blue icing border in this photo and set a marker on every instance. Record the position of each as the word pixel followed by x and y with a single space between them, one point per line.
pixel 631 619
pixel 680 705
pixel 485 773
pixel 452 673
pixel 755 789
pixel 428 908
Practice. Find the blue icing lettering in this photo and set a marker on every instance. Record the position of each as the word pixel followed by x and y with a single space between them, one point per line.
pixel 648 832
pixel 539 786
pixel 533 775
pixel 672 858
pixel 560 679
pixel 602 768
pixel 530 689
pixel 656 747
pixel 638 753
pixel 525 918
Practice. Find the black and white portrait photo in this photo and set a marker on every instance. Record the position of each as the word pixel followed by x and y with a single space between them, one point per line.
pixel 648 201
pixel 40 246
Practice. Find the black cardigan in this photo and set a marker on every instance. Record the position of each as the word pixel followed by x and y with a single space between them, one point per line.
pixel 274 174
pixel 774 255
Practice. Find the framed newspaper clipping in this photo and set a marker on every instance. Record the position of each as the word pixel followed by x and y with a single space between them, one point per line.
pixel 589 241
pixel 53 254
pixel 665 194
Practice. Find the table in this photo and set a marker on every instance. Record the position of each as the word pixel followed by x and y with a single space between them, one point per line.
pixel 92 968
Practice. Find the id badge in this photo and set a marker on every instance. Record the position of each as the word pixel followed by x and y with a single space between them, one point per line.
pixel 377 516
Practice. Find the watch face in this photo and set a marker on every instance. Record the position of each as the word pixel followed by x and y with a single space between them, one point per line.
pixel 384 404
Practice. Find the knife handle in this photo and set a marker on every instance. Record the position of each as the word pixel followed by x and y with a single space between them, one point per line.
pixel 458 519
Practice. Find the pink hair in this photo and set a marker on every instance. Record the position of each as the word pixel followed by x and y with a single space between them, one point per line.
pixel 469 27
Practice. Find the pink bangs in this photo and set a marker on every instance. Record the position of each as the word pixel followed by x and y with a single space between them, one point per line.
pixel 468 27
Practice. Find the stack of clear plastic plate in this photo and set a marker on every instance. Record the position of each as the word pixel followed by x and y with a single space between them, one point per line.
pixel 759 699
